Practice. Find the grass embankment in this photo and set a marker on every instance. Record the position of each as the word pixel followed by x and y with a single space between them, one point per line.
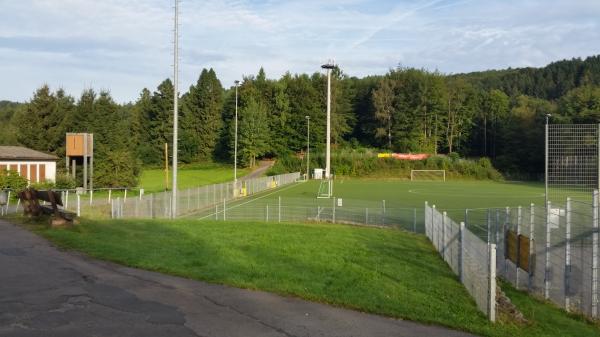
pixel 153 180
pixel 380 271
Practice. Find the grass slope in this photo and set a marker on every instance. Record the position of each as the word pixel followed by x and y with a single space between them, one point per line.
pixel 153 180
pixel 375 270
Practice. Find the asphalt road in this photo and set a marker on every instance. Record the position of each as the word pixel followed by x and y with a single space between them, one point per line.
pixel 47 292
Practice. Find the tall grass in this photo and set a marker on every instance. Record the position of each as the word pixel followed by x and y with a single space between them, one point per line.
pixel 365 163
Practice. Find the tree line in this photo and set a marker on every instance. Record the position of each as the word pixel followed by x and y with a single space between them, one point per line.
pixel 495 114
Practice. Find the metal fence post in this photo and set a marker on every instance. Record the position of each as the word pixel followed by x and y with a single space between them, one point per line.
pixel 532 254
pixel 414 220
pixel 109 195
pixel 333 210
pixel 547 250
pixel 505 227
pixel 91 197
pixel 224 210
pixel 118 208
pixel 125 197
pixel 433 227
pixel 567 253
pixel 425 219
pixel 444 221
pixel 595 257
pixel 466 216
pixel 519 220
pixel 66 200
pixel 78 205
pixel 383 216
pixel 279 211
pixel 461 254
pixel 216 211
pixel 492 283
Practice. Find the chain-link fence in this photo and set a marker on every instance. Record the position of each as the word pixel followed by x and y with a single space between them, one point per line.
pixel 134 203
pixel 333 210
pixel 572 161
pixel 561 241
pixel 469 257
pixel 554 249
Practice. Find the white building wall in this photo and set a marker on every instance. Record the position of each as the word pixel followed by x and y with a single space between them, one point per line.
pixel 50 168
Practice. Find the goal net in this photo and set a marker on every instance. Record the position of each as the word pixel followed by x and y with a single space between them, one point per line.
pixel 428 175
pixel 325 189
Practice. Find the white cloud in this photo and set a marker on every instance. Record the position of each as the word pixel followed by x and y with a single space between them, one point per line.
pixel 125 45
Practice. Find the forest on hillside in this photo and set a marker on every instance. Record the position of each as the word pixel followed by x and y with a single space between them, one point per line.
pixel 497 114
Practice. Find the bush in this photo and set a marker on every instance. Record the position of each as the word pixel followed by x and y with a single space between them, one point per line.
pixel 12 180
pixel 65 182
pixel 364 163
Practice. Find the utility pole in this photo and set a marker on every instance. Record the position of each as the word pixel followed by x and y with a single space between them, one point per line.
pixel 236 135
pixel 307 147
pixel 329 66
pixel 175 107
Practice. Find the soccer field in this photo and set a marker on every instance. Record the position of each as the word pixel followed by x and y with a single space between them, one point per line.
pixel 378 202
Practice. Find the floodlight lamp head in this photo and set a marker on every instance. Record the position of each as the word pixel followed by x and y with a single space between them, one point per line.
pixel 236 82
pixel 329 65
pixel 307 117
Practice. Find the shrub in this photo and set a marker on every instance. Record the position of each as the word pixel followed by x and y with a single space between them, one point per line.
pixel 65 182
pixel 12 180
pixel 363 163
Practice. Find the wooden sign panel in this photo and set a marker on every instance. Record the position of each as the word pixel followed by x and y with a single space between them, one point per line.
pixel 517 250
pixel 524 253
pixel 512 247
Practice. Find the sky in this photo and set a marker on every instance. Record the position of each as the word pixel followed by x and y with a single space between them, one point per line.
pixel 124 46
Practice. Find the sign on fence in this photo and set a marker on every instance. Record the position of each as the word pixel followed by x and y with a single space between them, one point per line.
pixel 517 250
pixel 524 262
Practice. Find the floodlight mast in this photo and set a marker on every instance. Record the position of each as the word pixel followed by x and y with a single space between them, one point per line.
pixel 329 66
pixel 307 147
pixel 175 107
pixel 236 135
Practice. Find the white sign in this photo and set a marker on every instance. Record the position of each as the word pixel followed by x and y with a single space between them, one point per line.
pixel 339 202
pixel 554 217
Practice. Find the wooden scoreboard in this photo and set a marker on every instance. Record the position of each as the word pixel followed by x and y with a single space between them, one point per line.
pixel 80 147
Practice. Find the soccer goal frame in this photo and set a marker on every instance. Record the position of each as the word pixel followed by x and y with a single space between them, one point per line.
pixel 442 174
pixel 325 189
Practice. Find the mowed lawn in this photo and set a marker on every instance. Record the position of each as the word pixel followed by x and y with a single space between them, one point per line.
pixel 153 180
pixel 381 271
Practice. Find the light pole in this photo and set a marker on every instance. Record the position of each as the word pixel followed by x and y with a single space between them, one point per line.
pixel 236 135
pixel 546 158
pixel 329 66
pixel 307 147
pixel 175 110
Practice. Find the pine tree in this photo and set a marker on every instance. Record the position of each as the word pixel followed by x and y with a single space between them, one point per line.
pixel 201 120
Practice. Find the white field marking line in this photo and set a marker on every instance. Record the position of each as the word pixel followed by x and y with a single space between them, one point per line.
pixel 479 195
pixel 252 200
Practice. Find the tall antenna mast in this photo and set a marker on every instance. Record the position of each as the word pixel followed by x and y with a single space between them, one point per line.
pixel 175 106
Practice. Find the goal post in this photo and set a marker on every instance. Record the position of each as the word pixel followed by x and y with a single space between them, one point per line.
pixel 325 189
pixel 428 175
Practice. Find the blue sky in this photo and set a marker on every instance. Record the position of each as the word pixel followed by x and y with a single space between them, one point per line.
pixel 125 45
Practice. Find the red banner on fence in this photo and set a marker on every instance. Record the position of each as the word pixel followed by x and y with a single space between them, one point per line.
pixel 404 156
